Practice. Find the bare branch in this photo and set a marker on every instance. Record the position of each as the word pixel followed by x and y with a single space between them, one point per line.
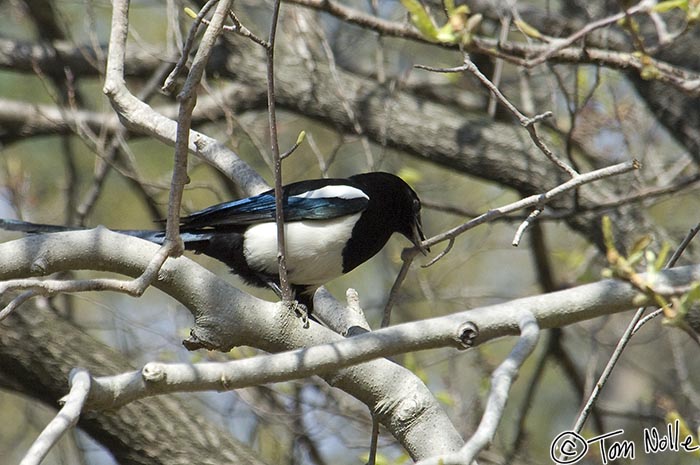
pixel 141 117
pixel 27 120
pixel 226 317
pixel 645 6
pixel 66 418
pixel 188 99
pixel 216 316
pixel 632 327
pixel 135 287
pixel 527 123
pixel 16 302
pixel 187 48
pixel 393 293
pixel 501 381
pixel 537 200
pixel 518 52
pixel 285 288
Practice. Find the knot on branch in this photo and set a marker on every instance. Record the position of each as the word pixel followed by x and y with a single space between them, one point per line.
pixel 401 410
pixel 466 334
pixel 153 372
pixel 197 341
pixel 38 266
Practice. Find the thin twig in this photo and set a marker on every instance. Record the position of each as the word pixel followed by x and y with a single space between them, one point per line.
pixel 187 47
pixel 536 200
pixel 374 441
pixel 135 287
pixel 524 225
pixel 559 44
pixel 16 302
pixel 136 114
pixel 517 52
pixel 285 288
pixel 498 66
pixel 188 100
pixel 291 150
pixel 526 122
pixel 632 327
pixel 450 244
pixel 65 419
pixel 671 262
pixel 501 382
pixel 407 260
pixel 243 31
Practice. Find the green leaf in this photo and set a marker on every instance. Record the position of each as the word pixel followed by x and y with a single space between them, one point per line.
pixel 669 5
pixel 421 19
pixel 301 137
pixel 446 34
pixel 640 244
pixel 528 30
pixel 608 237
pixel 661 259
pixel 690 297
pixel 190 12
pixel 650 258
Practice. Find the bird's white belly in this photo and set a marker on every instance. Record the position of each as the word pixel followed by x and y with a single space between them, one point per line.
pixel 314 248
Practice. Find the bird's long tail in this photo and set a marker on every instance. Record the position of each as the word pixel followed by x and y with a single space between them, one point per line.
pixel 36 228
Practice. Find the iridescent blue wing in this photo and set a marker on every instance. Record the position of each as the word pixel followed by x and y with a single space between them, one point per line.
pixel 306 200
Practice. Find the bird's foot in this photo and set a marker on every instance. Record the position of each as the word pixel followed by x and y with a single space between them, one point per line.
pixel 300 310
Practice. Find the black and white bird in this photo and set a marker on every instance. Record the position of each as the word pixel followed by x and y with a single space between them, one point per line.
pixel 331 227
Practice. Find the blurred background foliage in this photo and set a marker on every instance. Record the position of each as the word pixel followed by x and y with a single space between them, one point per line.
pixel 43 178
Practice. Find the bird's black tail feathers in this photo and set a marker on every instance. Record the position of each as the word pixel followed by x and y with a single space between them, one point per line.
pixel 34 228
pixel 157 237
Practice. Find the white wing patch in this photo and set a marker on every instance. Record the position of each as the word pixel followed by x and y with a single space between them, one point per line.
pixel 314 248
pixel 341 192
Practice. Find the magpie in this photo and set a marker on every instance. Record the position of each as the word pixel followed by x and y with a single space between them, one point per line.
pixel 331 227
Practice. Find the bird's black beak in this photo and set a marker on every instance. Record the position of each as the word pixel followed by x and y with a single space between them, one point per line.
pixel 419 237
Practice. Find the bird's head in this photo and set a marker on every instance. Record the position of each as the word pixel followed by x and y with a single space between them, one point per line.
pixel 400 203
pixel 410 224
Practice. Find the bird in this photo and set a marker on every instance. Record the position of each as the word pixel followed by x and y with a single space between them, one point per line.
pixel 332 225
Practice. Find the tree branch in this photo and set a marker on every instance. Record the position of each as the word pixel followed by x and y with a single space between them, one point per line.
pixel 226 317
pixel 66 418
pixel 140 117
pixel 519 52
pixel 501 381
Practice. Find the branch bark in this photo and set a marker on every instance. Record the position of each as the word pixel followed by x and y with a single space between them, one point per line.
pixel 38 350
pixel 225 317
pixel 463 141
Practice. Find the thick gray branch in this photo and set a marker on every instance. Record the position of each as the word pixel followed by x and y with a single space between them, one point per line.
pixel 38 350
pixel 226 317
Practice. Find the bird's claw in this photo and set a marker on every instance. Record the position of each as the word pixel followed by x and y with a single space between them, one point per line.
pixel 300 310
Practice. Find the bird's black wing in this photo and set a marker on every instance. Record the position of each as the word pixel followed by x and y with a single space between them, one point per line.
pixel 306 200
